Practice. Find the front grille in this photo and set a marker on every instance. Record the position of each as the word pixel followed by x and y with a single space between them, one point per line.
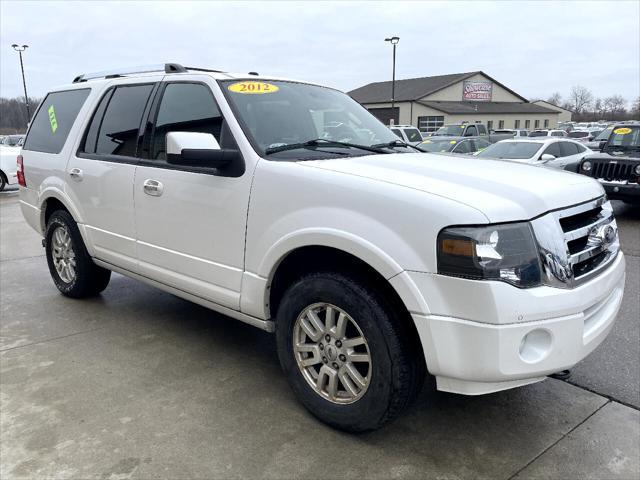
pixel 591 238
pixel 612 170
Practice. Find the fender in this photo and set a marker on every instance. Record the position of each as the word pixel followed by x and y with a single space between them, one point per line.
pixel 55 192
pixel 255 286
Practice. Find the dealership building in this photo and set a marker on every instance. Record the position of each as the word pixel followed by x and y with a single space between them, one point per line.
pixel 474 97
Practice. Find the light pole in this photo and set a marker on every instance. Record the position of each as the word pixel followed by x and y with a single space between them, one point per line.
pixel 394 41
pixel 21 49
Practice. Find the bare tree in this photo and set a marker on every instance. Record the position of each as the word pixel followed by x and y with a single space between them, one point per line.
pixel 598 107
pixel 555 98
pixel 580 98
pixel 615 104
pixel 635 109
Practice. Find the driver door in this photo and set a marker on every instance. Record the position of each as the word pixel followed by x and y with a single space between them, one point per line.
pixel 190 226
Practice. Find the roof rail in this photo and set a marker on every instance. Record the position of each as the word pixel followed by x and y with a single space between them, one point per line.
pixel 167 68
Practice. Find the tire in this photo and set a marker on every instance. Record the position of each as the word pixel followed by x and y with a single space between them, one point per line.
pixel 84 278
pixel 3 181
pixel 396 370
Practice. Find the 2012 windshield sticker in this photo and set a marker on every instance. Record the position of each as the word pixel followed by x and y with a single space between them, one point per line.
pixel 253 88
pixel 622 131
pixel 52 119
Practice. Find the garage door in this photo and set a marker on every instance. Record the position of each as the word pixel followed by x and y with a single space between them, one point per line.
pixel 386 114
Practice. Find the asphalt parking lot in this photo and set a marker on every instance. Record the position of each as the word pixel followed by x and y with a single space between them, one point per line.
pixel 137 383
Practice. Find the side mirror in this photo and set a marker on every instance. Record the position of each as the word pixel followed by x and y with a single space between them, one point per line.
pixel 546 157
pixel 602 144
pixel 197 149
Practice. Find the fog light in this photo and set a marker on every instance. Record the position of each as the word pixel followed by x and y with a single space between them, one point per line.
pixel 535 346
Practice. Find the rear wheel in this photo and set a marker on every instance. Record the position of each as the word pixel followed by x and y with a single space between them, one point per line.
pixel 345 352
pixel 70 265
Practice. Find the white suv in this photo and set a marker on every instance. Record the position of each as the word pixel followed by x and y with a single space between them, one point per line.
pixel 288 206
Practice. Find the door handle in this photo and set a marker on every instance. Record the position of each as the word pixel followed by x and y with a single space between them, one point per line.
pixel 153 187
pixel 76 174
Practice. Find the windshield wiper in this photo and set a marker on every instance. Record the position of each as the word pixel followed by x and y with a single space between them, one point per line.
pixel 321 142
pixel 396 143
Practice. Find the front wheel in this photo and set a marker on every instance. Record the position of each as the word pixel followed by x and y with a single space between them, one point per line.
pixel 70 265
pixel 345 352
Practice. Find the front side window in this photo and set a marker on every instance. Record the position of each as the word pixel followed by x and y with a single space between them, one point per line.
pixel 53 122
pixel 185 107
pixel 482 130
pixel 463 147
pixel 115 126
pixel 397 132
pixel 553 149
pixel 570 148
pixel 472 131
pixel 276 114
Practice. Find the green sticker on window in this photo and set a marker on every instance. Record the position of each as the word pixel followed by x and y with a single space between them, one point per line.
pixel 52 119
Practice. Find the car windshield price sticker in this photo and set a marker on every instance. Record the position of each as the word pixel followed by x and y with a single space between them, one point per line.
pixel 253 88
pixel 52 119
pixel 622 131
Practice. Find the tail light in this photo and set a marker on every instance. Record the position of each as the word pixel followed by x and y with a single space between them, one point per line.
pixel 20 172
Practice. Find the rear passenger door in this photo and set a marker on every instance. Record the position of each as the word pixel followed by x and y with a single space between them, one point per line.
pixel 100 173
pixel 191 229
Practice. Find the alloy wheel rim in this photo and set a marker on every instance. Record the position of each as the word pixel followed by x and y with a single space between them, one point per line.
pixel 64 258
pixel 332 353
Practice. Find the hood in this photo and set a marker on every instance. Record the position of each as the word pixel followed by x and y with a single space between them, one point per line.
pixel 503 191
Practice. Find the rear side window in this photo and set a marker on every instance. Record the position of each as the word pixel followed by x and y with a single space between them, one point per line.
pixel 116 123
pixel 51 125
pixel 482 130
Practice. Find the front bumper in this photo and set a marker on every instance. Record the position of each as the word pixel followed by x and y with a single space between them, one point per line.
pixel 622 190
pixel 482 337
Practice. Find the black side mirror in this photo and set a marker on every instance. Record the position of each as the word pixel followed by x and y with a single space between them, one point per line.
pixel 602 144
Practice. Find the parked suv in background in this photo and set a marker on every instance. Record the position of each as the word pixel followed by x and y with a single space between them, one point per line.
pixel 407 133
pixel 617 167
pixel 370 261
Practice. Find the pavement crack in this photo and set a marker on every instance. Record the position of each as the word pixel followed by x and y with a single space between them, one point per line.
pixel 558 441
pixel 608 397
pixel 2 350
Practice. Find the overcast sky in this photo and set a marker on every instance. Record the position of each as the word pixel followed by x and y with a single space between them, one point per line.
pixel 535 48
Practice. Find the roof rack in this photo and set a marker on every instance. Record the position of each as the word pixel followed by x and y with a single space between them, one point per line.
pixel 166 68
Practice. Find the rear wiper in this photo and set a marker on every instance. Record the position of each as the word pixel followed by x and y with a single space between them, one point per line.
pixel 321 142
pixel 396 143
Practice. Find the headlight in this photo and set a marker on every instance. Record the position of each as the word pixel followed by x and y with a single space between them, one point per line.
pixel 504 252
pixel 637 169
pixel 586 166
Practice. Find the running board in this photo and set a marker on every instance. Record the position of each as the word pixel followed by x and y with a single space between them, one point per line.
pixel 266 325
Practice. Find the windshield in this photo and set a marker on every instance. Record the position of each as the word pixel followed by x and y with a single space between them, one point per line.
pixel 438 145
pixel 575 134
pixel 624 137
pixel 604 135
pixel 515 150
pixel 277 113
pixel 450 130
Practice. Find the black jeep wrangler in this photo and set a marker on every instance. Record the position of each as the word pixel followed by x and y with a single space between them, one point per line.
pixel 617 166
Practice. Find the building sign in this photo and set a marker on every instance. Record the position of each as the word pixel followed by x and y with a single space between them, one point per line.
pixel 477 91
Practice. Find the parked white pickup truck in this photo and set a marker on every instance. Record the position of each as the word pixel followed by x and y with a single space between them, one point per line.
pixel 288 206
